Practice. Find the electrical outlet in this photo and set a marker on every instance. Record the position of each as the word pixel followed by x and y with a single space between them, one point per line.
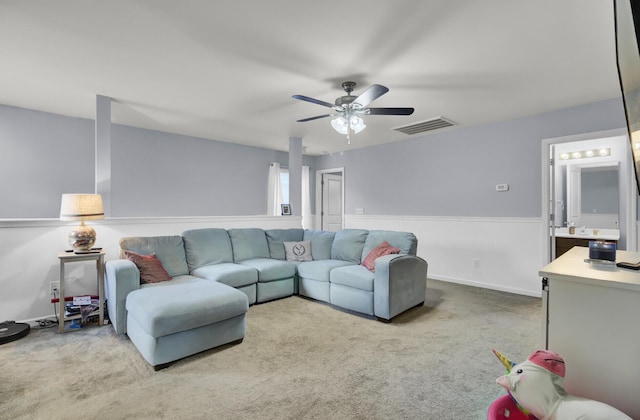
pixel 54 287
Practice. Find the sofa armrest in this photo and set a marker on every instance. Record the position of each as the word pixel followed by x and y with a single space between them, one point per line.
pixel 400 283
pixel 121 277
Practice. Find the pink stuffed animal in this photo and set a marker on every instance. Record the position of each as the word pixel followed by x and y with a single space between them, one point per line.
pixel 537 386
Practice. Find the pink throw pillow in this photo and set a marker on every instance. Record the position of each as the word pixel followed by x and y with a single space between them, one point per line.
pixel 382 249
pixel 151 269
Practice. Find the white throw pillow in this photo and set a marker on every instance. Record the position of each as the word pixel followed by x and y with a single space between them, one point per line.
pixel 298 251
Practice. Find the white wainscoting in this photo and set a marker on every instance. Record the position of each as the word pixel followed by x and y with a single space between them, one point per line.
pixel 29 254
pixel 496 253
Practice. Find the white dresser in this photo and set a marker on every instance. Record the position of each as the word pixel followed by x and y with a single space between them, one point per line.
pixel 591 317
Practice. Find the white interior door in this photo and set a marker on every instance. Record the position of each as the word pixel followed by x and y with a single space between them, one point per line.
pixel 331 202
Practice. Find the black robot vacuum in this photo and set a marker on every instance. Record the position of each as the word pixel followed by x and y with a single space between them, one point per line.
pixel 11 331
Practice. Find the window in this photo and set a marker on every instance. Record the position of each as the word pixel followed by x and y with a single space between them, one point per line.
pixel 284 186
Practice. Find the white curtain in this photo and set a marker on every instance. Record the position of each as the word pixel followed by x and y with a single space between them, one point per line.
pixel 274 193
pixel 306 200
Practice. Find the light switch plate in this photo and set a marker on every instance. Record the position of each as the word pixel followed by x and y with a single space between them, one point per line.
pixel 502 187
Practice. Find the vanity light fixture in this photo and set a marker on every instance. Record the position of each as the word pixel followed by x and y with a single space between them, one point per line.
pixel 588 153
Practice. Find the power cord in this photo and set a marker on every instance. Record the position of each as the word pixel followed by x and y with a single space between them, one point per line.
pixel 46 322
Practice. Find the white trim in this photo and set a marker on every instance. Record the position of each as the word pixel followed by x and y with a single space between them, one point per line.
pixel 514 290
pixel 445 218
pixel 26 223
pixel 631 190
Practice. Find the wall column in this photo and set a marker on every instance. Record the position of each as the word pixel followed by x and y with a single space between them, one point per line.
pixel 103 151
pixel 295 175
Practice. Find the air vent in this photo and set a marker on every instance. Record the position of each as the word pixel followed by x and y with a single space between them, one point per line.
pixel 428 125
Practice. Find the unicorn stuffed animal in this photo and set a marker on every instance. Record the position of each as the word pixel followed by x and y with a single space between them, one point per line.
pixel 536 385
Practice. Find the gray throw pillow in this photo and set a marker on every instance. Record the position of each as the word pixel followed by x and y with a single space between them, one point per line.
pixel 298 251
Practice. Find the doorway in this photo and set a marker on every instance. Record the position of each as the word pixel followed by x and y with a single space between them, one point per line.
pixel 563 196
pixel 330 199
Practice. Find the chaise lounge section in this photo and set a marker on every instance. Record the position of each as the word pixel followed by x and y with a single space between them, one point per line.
pixel 213 275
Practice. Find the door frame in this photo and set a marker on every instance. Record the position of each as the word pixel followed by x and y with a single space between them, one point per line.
pixel 631 188
pixel 319 172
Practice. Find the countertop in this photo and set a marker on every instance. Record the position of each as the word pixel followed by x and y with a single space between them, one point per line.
pixel 589 233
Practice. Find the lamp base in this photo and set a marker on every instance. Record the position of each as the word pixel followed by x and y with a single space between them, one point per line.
pixel 82 238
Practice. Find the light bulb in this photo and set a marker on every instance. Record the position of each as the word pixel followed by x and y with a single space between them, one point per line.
pixel 357 124
pixel 340 125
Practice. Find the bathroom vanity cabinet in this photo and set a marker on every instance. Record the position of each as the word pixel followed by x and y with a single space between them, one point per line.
pixel 564 241
pixel 565 244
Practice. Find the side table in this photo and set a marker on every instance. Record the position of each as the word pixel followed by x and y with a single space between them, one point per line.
pixel 72 257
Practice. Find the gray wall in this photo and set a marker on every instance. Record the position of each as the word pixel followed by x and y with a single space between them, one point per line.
pixel 42 156
pixel 154 174
pixel 162 174
pixel 454 173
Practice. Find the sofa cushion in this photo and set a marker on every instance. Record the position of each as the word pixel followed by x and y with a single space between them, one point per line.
pixel 269 269
pixel 298 251
pixel 321 242
pixel 383 248
pixel 248 243
pixel 277 237
pixel 207 246
pixel 319 270
pixel 150 268
pixel 355 276
pixel 231 274
pixel 168 249
pixel 348 245
pixel 407 242
pixel 173 308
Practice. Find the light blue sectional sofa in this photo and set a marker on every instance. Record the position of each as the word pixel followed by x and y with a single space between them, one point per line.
pixel 232 269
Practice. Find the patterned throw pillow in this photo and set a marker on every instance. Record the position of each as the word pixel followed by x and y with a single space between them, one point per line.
pixel 298 251
pixel 382 249
pixel 151 269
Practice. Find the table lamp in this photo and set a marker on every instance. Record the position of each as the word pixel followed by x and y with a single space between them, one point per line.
pixel 81 207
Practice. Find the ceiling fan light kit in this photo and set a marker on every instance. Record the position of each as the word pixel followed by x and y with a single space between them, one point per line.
pixel 356 124
pixel 348 109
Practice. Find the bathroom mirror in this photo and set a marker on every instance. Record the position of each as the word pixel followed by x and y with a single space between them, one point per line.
pixel 593 195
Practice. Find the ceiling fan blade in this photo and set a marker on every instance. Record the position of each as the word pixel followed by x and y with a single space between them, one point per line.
pixel 390 111
pixel 371 94
pixel 314 118
pixel 314 101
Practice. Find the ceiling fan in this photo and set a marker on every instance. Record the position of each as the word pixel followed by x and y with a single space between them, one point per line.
pixel 349 108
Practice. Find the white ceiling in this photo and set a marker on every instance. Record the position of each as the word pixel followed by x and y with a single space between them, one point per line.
pixel 226 69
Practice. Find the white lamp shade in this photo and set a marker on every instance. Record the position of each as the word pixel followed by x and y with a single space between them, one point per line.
pixel 357 124
pixel 340 125
pixel 81 207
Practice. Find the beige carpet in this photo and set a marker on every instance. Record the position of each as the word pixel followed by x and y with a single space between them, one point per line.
pixel 300 360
